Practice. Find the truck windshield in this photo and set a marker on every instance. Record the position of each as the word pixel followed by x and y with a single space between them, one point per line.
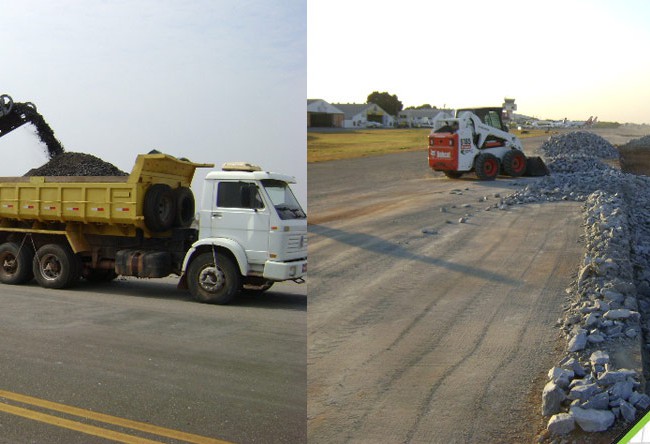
pixel 283 199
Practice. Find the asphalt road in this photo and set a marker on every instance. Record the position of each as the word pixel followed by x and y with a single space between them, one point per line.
pixel 423 329
pixel 163 367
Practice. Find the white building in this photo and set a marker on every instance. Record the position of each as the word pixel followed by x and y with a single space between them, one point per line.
pixel 363 115
pixel 323 114
pixel 418 118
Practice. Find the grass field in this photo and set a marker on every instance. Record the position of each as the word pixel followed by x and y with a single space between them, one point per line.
pixel 324 145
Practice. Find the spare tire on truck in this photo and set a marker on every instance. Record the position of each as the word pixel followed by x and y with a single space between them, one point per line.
pixel 185 207
pixel 159 207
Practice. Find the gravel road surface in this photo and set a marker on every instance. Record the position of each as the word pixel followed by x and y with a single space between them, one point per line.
pixel 423 328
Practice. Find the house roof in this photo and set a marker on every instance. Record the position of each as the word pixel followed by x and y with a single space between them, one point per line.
pixel 352 109
pixel 419 113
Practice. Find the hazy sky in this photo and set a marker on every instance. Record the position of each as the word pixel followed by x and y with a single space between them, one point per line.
pixel 211 80
pixel 556 58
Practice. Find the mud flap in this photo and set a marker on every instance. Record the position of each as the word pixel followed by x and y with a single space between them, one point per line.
pixel 536 167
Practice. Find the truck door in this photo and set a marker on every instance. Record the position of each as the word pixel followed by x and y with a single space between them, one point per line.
pixel 239 213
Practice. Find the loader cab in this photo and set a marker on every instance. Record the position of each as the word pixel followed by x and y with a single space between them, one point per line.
pixel 490 116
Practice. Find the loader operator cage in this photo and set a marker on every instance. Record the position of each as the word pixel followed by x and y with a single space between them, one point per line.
pixel 489 116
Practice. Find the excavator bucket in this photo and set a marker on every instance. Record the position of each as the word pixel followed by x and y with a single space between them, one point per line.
pixel 536 167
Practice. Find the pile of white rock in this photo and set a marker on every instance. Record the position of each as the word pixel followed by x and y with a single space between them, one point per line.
pixel 578 143
pixel 609 302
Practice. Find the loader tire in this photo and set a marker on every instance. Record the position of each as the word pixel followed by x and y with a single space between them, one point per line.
pixel 159 208
pixel 213 283
pixel 514 163
pixel 15 263
pixel 453 174
pixel 56 266
pixel 185 206
pixel 486 166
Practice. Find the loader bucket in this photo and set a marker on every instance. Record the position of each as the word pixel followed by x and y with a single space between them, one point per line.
pixel 536 167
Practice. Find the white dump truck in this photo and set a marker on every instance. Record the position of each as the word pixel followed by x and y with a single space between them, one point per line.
pixel 251 231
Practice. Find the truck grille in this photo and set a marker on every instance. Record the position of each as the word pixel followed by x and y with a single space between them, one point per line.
pixel 297 243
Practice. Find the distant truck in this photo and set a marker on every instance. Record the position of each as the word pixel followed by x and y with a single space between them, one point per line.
pixel 251 230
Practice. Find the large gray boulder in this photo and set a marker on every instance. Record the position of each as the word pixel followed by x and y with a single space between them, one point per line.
pixel 561 424
pixel 592 420
pixel 552 397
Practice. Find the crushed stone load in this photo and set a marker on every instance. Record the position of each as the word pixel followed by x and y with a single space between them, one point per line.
pixel 76 164
pixel 608 304
pixel 43 130
pixel 579 143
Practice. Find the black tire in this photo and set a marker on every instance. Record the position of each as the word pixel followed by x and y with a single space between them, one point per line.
pixel 15 263
pixel 56 266
pixel 213 284
pixel 453 174
pixel 514 163
pixel 159 208
pixel 185 207
pixel 486 166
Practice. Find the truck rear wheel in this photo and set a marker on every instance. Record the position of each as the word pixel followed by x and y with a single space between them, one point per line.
pixel 514 163
pixel 15 263
pixel 55 266
pixel 486 166
pixel 210 283
pixel 159 208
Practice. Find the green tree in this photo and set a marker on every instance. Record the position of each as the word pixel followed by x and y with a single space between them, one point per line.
pixel 389 103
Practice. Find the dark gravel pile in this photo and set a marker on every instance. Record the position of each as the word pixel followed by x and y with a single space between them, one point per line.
pixel 43 130
pixel 76 164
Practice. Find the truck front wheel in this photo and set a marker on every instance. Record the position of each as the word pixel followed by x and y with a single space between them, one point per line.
pixel 55 266
pixel 15 263
pixel 213 283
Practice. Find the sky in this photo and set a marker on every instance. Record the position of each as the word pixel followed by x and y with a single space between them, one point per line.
pixel 209 80
pixel 557 59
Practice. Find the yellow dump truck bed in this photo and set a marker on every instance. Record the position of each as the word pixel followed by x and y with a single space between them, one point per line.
pixel 111 201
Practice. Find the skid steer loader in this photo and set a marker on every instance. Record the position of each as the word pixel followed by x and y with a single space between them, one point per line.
pixel 477 140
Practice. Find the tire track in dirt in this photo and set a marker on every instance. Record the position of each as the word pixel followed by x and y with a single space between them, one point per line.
pixel 463 315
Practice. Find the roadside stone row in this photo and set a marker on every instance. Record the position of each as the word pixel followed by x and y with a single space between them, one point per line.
pixel 609 302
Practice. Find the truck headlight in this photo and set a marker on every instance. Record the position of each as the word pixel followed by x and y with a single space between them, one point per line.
pixel 292 271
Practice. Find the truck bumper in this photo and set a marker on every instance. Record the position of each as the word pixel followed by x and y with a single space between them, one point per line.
pixel 282 271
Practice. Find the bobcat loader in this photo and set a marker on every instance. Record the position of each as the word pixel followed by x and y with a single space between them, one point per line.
pixel 477 140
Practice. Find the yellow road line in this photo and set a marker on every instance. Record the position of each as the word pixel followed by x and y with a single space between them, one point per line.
pixel 74 425
pixel 108 419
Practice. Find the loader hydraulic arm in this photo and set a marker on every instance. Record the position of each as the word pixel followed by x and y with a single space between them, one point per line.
pixel 14 115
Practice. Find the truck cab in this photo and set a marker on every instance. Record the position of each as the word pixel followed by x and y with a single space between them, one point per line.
pixel 252 219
